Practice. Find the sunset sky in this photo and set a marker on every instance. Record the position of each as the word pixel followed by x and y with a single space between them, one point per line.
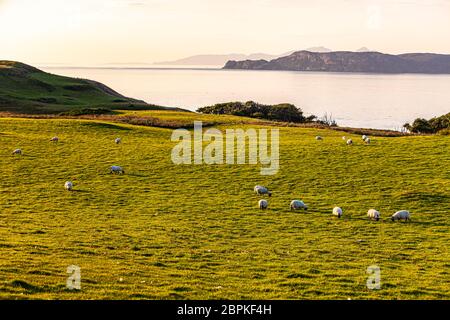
pixel 89 32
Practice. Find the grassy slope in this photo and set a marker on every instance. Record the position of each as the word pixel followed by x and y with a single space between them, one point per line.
pixel 194 231
pixel 24 89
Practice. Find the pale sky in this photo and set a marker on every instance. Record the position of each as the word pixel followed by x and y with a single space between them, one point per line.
pixel 89 32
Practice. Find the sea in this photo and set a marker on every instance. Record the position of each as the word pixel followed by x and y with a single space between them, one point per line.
pixel 379 101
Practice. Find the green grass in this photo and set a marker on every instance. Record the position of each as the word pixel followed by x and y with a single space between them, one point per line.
pixel 184 118
pixel 194 232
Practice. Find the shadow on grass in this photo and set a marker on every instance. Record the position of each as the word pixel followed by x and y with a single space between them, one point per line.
pixel 32 289
pixel 81 191
pixel 99 125
pixel 137 175
pixel 24 156
pixel 431 198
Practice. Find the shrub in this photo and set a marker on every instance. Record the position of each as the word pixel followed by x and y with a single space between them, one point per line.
pixel 445 132
pixel 281 112
pixel 86 111
pixel 433 125
pixel 421 126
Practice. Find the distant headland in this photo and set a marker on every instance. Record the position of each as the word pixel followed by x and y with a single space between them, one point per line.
pixel 347 61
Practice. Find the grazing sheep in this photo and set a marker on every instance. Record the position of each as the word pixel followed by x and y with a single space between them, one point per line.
pixel 373 214
pixel 117 169
pixel 260 190
pixel 263 204
pixel 337 212
pixel 349 142
pixel 17 151
pixel 118 140
pixel 364 137
pixel 297 204
pixel 54 139
pixel 401 215
pixel 68 185
pixel 367 140
pixel 319 138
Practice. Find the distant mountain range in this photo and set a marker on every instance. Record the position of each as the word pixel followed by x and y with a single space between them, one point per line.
pixel 346 61
pixel 221 59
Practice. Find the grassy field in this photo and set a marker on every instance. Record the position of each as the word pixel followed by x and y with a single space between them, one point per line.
pixel 165 231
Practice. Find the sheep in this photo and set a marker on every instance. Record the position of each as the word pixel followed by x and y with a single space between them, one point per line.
pixel 118 140
pixel 364 137
pixel 344 138
pixel 68 185
pixel 297 204
pixel 54 139
pixel 401 215
pixel 117 169
pixel 349 142
pixel 319 138
pixel 367 140
pixel 260 190
pixel 337 212
pixel 263 204
pixel 17 151
pixel 373 214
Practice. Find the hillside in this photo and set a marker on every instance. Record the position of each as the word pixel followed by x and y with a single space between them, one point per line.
pixel 345 61
pixel 166 231
pixel 25 89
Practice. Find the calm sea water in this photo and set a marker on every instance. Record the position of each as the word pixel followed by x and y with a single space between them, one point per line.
pixel 357 100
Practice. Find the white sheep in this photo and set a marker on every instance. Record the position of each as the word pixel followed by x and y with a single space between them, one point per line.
pixel 297 204
pixel 401 215
pixel 344 138
pixel 373 214
pixel 367 140
pixel 117 169
pixel 54 139
pixel 319 138
pixel 17 151
pixel 337 212
pixel 263 204
pixel 118 140
pixel 349 142
pixel 364 137
pixel 260 190
pixel 68 185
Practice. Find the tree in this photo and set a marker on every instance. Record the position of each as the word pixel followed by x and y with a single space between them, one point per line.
pixel 421 126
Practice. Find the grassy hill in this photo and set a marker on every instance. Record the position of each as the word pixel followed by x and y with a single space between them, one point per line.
pixel 165 231
pixel 25 89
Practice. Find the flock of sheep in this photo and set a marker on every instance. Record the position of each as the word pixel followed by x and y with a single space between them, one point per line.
pixel 372 214
pixel 365 138
pixel 263 204
pixel 68 185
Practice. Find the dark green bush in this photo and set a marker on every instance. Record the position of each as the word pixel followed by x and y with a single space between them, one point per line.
pixel 433 125
pixel 86 111
pixel 281 112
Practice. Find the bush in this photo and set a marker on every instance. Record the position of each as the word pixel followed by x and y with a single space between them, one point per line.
pixel 281 112
pixel 433 125
pixel 85 111
pixel 421 126
pixel 445 132
pixel 440 123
